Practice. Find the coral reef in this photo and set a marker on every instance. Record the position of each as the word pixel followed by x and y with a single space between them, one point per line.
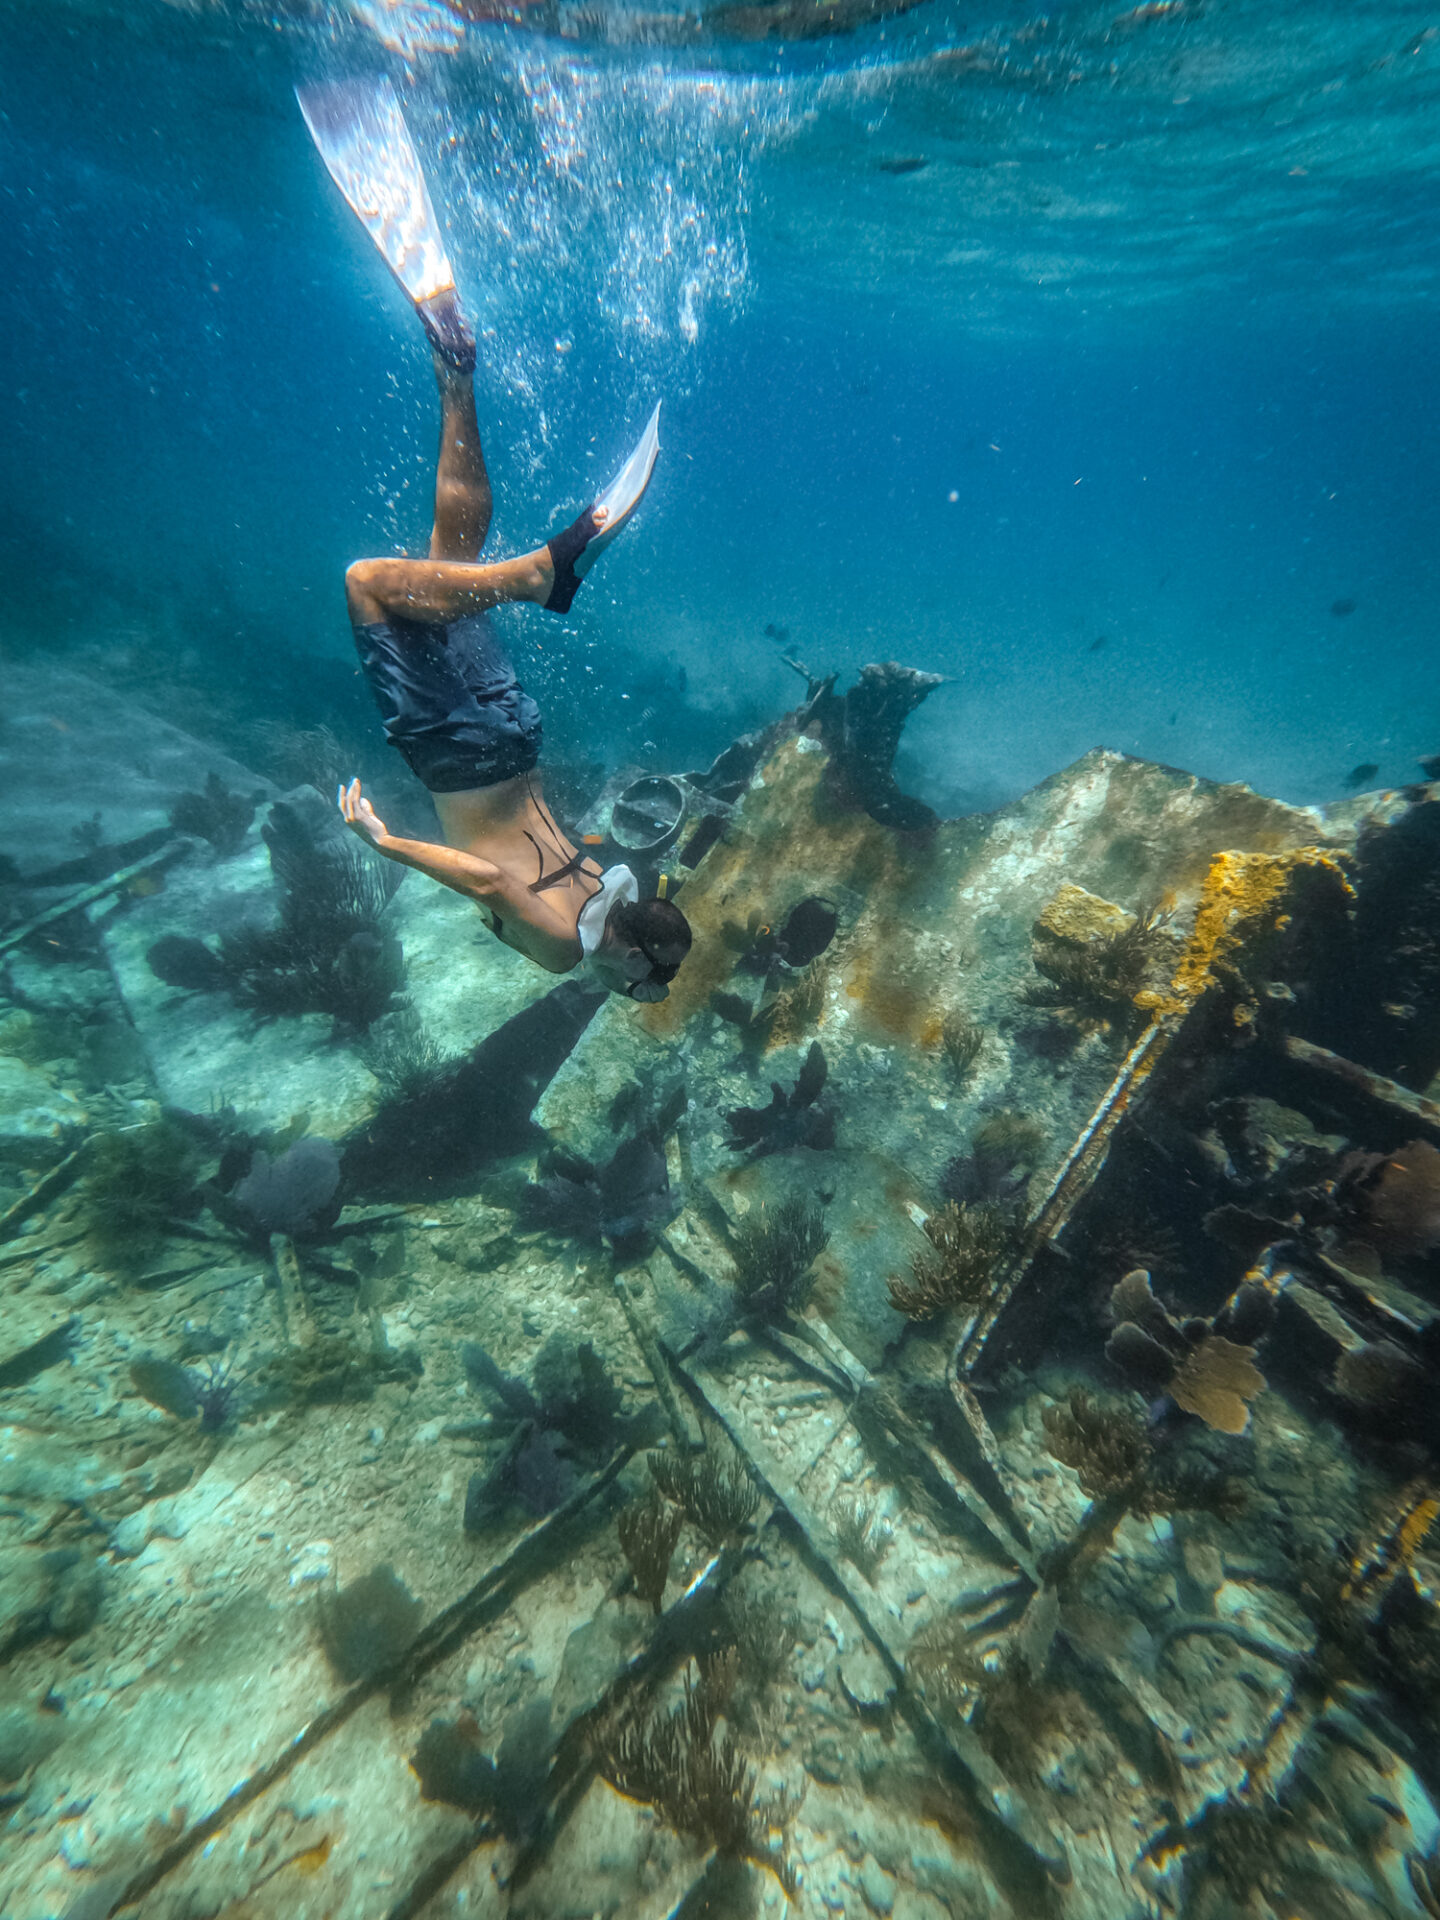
pixel 791 1120
pixel 1003 1155
pixel 962 1040
pixel 1118 1463
pixel 774 1250
pixel 402 1056
pixel 328 953
pixel 369 1624
pixel 1096 981
pixel 570 1419
pixel 648 1531
pixel 622 1202
pixel 452 1766
pixel 688 1766
pixel 862 1535
pixel 715 1489
pixel 968 1245
pixel 217 815
pixel 137 1182
pixel 1202 1370
pixel 298 1192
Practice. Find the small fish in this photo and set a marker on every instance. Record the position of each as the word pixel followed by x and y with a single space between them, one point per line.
pixel 1173 718
pixel 772 632
pixel 1357 776
pixel 1430 766
pixel 903 163
pixel 1098 642
pixel 145 885
pixel 1341 607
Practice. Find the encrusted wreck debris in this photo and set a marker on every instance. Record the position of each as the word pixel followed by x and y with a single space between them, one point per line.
pixel 1007 1485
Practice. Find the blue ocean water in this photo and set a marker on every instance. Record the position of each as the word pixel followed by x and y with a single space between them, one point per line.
pixel 923 1402
pixel 1084 359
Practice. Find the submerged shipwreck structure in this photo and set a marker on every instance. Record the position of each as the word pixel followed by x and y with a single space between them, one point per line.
pixel 935 1418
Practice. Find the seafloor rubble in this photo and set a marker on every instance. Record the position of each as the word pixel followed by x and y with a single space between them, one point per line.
pixel 936 1418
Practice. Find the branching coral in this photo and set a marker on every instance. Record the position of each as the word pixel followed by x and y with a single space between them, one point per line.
pixel 715 1489
pixel 648 1532
pixel 329 952
pixel 862 1534
pixel 1106 1446
pixel 968 1243
pixel 1097 980
pixel 763 1634
pixel 217 815
pixel 137 1182
pixel 962 1040
pixel 688 1766
pixel 403 1057
pixel 1116 1460
pixel 774 1250
pixel 955 1669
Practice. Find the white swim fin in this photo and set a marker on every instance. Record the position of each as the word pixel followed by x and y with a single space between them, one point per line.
pixel 623 494
pixel 365 144
pixel 575 551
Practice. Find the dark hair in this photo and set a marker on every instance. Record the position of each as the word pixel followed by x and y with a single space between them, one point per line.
pixel 658 928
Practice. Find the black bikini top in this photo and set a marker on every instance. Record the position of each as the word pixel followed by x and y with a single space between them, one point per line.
pixel 563 872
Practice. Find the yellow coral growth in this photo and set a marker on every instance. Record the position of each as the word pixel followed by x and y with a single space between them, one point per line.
pixel 1238 890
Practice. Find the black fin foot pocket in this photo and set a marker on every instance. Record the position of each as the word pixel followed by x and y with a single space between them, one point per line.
pixel 448 329
pixel 564 550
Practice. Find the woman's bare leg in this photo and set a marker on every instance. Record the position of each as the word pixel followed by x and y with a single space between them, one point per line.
pixel 435 591
pixel 463 499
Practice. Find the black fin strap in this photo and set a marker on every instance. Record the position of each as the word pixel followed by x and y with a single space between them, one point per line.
pixel 564 550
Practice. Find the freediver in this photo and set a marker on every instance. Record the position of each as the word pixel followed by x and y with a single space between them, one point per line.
pixel 448 696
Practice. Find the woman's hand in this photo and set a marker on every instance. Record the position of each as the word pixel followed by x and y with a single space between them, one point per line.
pixel 360 816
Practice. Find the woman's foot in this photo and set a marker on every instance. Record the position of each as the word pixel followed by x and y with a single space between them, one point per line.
pixel 564 550
pixel 574 552
pixel 448 331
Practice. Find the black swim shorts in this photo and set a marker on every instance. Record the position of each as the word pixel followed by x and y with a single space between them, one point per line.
pixel 450 702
